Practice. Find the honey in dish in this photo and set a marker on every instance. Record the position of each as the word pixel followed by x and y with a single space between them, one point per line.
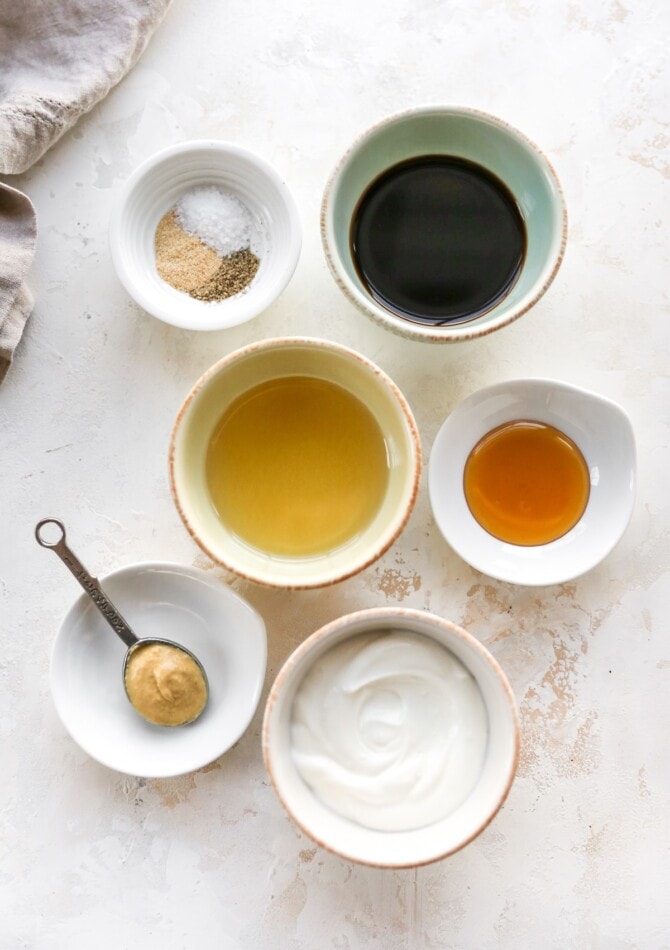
pixel 297 466
pixel 526 483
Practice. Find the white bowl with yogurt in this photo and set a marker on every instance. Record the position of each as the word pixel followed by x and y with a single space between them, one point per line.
pixel 391 737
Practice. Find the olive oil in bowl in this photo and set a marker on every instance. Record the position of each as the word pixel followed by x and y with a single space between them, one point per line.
pixel 297 466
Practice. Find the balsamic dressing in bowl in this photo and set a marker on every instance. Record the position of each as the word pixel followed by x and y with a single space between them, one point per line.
pixel 438 240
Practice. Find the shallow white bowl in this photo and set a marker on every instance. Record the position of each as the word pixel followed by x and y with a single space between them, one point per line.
pixel 464 133
pixel 181 604
pixel 273 359
pixel 157 185
pixel 601 430
pixel 394 849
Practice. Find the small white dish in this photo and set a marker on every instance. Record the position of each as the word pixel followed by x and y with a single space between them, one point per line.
pixel 158 600
pixel 416 846
pixel 155 187
pixel 600 429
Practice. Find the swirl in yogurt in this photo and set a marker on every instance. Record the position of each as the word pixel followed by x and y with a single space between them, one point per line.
pixel 389 730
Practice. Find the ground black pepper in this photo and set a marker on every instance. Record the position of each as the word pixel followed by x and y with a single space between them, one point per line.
pixel 235 272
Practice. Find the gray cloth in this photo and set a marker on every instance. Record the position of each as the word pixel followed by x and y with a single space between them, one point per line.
pixel 18 230
pixel 57 59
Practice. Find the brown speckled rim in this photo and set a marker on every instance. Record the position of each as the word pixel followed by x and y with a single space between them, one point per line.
pixel 415 460
pixel 414 331
pixel 393 617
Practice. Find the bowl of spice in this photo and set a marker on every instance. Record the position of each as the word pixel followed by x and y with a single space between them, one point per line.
pixel 532 481
pixel 205 235
pixel 443 224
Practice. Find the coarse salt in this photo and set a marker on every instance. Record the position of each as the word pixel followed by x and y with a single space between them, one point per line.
pixel 217 217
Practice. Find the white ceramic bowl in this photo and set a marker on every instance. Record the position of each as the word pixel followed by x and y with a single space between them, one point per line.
pixel 272 359
pixel 394 849
pixel 180 604
pixel 462 133
pixel 600 429
pixel 157 185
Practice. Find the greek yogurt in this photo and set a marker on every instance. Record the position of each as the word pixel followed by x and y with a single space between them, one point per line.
pixel 389 730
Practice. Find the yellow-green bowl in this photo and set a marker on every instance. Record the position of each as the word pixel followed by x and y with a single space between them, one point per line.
pixel 461 133
pixel 272 359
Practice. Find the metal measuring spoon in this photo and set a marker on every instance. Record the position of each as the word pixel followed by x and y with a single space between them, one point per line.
pixel 120 627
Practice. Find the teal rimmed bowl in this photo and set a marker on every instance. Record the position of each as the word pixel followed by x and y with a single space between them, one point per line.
pixel 462 133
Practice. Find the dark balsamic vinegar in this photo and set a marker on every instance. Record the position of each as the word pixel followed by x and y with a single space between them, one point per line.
pixel 438 240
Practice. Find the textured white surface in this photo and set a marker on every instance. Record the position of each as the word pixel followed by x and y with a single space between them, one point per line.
pixel 579 855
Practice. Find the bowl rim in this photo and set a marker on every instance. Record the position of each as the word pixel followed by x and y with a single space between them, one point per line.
pixel 395 615
pixel 386 540
pixel 187 571
pixel 425 333
pixel 290 249
pixel 540 384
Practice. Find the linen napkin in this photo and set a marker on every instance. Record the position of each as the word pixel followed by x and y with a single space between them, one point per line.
pixel 57 59
pixel 18 230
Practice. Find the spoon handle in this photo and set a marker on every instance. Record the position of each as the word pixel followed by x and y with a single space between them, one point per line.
pixel 90 584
